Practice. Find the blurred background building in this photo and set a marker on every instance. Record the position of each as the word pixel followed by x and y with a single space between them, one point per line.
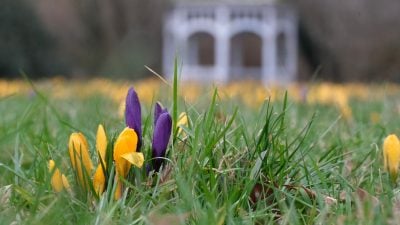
pixel 338 40
pixel 225 42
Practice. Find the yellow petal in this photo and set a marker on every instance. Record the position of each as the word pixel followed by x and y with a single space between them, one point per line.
pixel 57 179
pixel 125 143
pixel 134 158
pixel 183 120
pixel 118 190
pixel 52 164
pixel 65 181
pixel 79 155
pixel 99 180
pixel 391 155
pixel 101 143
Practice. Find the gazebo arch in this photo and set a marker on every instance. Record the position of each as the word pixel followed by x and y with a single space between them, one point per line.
pixel 201 49
pixel 245 56
pixel 252 28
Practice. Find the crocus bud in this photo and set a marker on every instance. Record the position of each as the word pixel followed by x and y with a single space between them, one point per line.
pixel 391 155
pixel 58 181
pixel 99 179
pixel 101 143
pixel 133 116
pixel 161 135
pixel 79 155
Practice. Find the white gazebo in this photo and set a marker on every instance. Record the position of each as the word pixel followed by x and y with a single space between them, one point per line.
pixel 225 42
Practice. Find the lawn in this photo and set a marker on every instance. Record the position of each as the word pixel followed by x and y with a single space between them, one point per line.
pixel 301 154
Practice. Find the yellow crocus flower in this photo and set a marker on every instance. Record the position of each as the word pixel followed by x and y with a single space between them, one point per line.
pixel 182 120
pixel 99 178
pixel 124 155
pixel 58 181
pixel 101 143
pixel 345 111
pixel 79 155
pixel 391 155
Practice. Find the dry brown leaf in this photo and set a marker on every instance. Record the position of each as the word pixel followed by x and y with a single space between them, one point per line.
pixel 330 200
pixel 348 164
pixel 261 192
pixel 313 195
pixel 166 174
pixel 364 196
pixel 5 194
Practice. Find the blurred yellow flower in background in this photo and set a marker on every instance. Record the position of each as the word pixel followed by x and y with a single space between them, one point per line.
pixel 251 93
pixel 375 117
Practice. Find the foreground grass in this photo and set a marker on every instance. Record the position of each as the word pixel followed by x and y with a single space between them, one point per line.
pixel 281 161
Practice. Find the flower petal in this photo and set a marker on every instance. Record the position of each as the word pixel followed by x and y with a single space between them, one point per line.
pixel 65 182
pixel 133 116
pixel 134 158
pixel 391 154
pixel 161 135
pixel 101 143
pixel 125 143
pixel 58 180
pixel 158 110
pixel 118 190
pixel 51 165
pixel 182 121
pixel 99 180
pixel 79 155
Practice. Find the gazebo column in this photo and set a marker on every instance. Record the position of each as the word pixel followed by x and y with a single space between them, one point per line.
pixel 222 58
pixel 175 42
pixel 291 54
pixel 222 51
pixel 182 51
pixel 269 48
pixel 269 66
pixel 168 52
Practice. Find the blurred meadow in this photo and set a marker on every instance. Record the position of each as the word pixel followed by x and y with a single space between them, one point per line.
pixel 315 150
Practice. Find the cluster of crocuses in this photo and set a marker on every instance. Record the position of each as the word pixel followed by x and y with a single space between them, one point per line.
pixel 125 151
pixel 391 155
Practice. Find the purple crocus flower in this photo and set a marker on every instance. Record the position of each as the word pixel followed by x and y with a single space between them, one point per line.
pixel 133 114
pixel 158 110
pixel 161 135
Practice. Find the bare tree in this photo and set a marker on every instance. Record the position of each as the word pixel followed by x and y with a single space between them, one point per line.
pixel 107 36
pixel 352 40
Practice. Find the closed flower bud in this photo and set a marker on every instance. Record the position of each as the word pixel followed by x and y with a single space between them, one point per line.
pixel 80 158
pixel 391 155
pixel 133 116
pixel 58 181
